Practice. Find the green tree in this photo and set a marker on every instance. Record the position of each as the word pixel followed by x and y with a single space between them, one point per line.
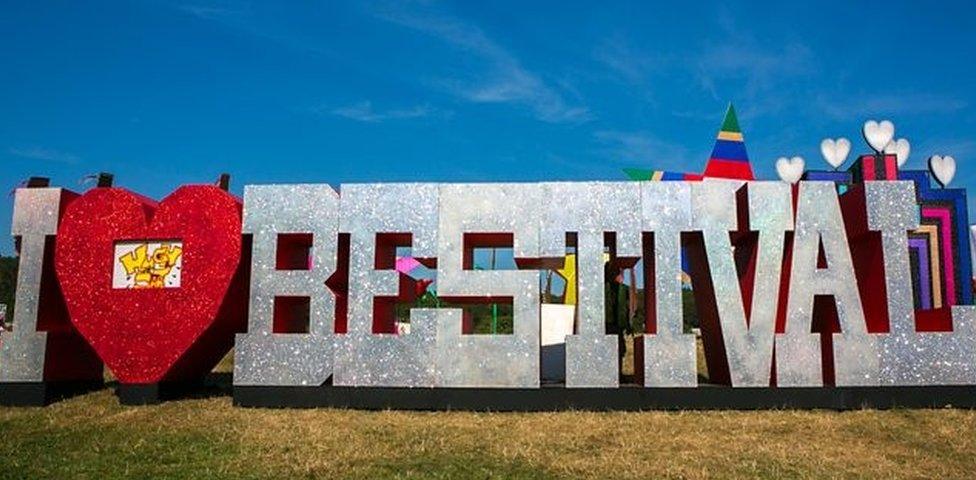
pixel 690 310
pixel 8 283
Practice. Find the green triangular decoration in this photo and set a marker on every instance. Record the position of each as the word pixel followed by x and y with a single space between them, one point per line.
pixel 730 124
pixel 638 174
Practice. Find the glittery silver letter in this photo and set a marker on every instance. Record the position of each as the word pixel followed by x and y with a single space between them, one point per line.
pixel 23 351
pixel 748 344
pixel 385 359
pixel 669 354
pixel 591 209
pixel 488 360
pixel 909 357
pixel 262 356
pixel 798 361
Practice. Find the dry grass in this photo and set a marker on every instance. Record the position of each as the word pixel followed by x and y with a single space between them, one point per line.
pixel 92 436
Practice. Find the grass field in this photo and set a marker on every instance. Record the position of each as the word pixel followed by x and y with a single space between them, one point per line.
pixel 92 436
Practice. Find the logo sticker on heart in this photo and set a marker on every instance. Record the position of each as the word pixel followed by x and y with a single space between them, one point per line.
pixel 149 335
pixel 900 149
pixel 943 169
pixel 835 151
pixel 790 169
pixel 878 135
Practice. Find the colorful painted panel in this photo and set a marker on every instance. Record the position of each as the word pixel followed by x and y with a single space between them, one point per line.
pixel 939 249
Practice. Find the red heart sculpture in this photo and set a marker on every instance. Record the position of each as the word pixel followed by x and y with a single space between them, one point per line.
pixel 152 335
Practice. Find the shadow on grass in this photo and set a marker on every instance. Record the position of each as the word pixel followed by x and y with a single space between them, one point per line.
pixel 454 466
pixel 215 384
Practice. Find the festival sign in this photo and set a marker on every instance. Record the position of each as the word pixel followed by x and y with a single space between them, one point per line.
pixel 838 288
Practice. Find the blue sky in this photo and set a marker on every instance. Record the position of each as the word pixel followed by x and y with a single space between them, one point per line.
pixel 165 93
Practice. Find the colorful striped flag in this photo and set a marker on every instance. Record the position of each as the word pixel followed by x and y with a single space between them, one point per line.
pixel 729 158
pixel 659 175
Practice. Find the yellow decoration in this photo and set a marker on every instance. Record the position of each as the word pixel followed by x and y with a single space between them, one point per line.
pixel 150 272
pixel 568 272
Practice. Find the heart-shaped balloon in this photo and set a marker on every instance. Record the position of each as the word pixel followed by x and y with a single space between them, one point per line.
pixel 790 169
pixel 878 135
pixel 835 151
pixel 177 330
pixel 900 149
pixel 943 168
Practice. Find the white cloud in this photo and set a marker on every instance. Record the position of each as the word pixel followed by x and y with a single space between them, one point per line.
pixel 505 79
pixel 749 68
pixel 760 68
pixel 208 12
pixel 245 18
pixel 45 154
pixel 640 149
pixel 622 59
pixel 962 149
pixel 888 104
pixel 364 112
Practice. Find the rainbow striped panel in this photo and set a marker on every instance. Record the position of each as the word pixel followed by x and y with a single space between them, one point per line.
pixel 943 216
pixel 729 158
pixel 730 151
pixel 732 136
pixel 642 175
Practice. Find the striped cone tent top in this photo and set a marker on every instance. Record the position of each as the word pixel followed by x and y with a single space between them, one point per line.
pixel 729 158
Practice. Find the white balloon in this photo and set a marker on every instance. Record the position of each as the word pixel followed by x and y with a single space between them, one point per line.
pixel 943 168
pixel 835 151
pixel 878 135
pixel 900 148
pixel 790 169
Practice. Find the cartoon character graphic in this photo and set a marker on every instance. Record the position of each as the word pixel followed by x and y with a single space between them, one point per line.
pixel 151 270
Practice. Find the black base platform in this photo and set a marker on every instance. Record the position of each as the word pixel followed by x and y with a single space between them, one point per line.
pixel 215 384
pixel 147 394
pixel 625 398
pixel 39 394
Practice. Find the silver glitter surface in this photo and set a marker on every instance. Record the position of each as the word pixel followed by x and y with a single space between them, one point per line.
pixel 390 360
pixel 278 359
pixel 385 360
pixel 591 209
pixel 669 355
pixel 798 358
pixel 909 357
pixel 22 351
pixel 938 358
pixel 488 360
pixel 748 345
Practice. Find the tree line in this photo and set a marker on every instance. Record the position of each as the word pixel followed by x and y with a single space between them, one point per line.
pixel 8 283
